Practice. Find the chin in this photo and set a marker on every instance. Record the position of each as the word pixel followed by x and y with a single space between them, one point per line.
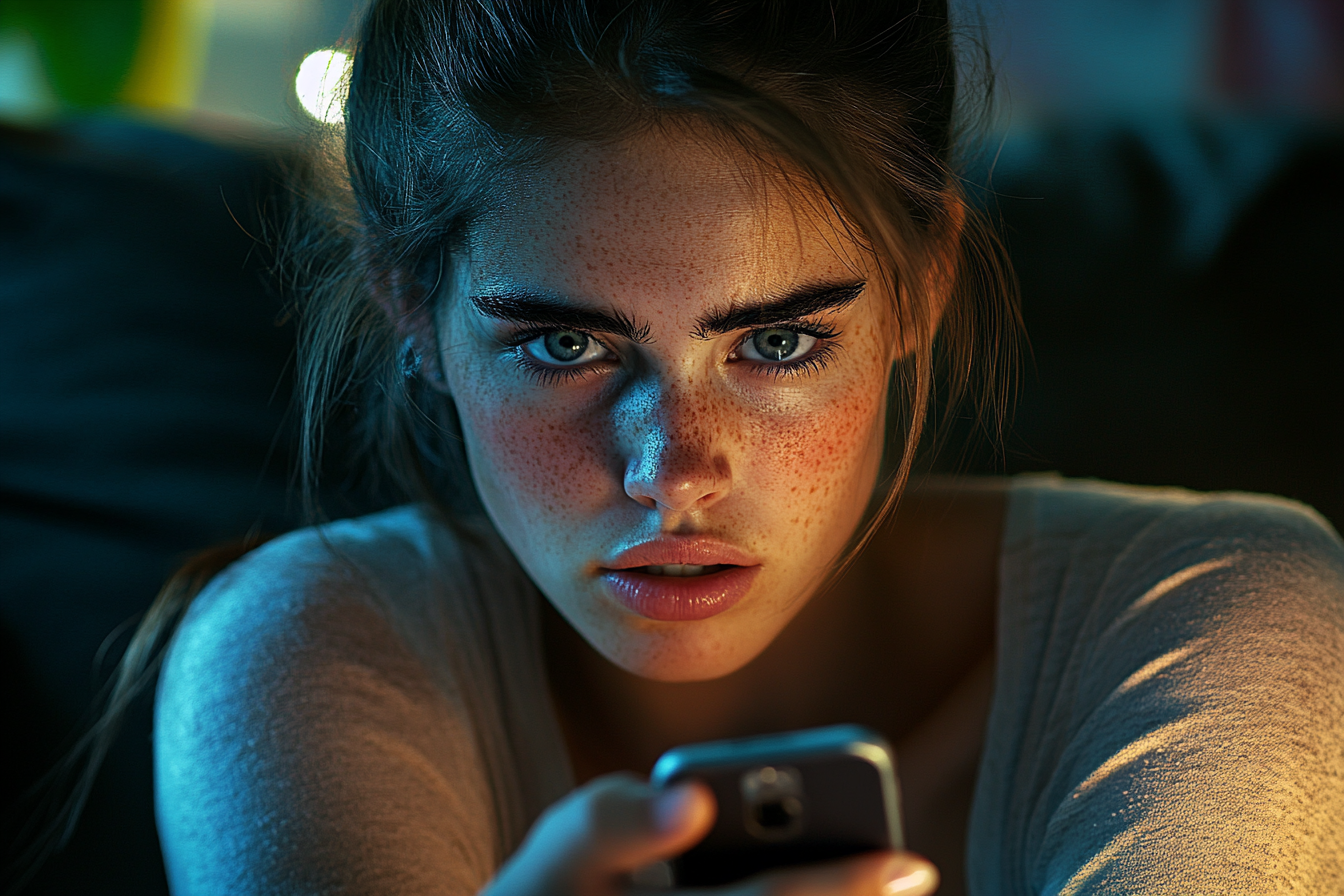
pixel 683 651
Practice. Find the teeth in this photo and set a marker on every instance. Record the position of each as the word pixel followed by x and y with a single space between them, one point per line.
pixel 676 569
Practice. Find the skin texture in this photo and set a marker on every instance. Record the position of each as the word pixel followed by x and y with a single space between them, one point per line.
pixel 676 433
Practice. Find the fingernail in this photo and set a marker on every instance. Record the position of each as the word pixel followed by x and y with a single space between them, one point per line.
pixel 906 875
pixel 671 807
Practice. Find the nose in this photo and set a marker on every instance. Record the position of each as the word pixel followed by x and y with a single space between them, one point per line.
pixel 675 461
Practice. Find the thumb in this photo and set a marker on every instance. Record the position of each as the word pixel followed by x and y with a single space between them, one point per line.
pixel 676 819
pixel 604 830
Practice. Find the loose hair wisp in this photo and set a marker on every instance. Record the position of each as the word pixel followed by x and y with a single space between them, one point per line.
pixel 447 97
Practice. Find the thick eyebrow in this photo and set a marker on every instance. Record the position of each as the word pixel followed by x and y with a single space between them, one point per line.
pixel 792 306
pixel 523 306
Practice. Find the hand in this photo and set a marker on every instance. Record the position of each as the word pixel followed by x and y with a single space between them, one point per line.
pixel 588 843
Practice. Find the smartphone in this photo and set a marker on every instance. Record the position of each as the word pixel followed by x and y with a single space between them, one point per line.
pixel 787 799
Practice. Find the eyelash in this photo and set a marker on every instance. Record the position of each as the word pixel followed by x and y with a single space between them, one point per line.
pixel 546 376
pixel 816 361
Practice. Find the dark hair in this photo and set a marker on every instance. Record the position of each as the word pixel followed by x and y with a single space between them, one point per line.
pixel 448 96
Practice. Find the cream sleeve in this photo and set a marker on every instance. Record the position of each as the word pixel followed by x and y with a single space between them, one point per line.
pixel 1169 710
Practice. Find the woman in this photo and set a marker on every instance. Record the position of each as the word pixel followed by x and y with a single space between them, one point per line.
pixel 640 297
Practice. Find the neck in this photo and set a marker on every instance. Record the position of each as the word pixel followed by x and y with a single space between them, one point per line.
pixel 885 645
pixel 615 720
pixel 901 643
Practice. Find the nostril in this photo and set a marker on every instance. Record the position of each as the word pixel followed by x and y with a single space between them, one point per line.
pixel 676 472
pixel 674 480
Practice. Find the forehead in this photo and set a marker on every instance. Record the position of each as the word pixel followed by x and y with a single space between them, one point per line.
pixel 667 215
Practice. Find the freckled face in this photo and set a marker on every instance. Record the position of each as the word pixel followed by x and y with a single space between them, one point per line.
pixel 586 438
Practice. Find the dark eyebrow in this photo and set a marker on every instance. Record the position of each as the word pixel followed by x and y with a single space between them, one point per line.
pixel 792 306
pixel 523 306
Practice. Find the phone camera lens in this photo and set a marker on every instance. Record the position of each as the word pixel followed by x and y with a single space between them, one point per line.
pixel 778 813
pixel 772 798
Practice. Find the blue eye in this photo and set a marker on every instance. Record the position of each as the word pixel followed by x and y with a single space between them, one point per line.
pixel 775 345
pixel 565 348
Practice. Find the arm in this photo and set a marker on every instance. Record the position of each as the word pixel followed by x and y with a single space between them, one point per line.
pixel 1185 732
pixel 300 746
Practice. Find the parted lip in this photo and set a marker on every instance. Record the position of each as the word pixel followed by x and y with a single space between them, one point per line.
pixel 697 550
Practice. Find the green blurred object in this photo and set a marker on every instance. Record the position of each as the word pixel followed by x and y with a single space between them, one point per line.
pixel 87 46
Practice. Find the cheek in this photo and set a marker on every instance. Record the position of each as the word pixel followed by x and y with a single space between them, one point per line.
pixel 824 457
pixel 816 471
pixel 532 461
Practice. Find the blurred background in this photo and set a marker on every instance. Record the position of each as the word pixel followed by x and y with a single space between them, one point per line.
pixel 1168 176
pixel 213 65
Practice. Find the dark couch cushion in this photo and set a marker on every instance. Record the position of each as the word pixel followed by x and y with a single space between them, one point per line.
pixel 143 386
pixel 1183 304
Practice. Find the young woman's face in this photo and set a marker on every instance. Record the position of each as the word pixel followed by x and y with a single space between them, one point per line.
pixel 671 376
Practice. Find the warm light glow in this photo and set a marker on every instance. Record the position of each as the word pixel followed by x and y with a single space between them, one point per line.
pixel 321 84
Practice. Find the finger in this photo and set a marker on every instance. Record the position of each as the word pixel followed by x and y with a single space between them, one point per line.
pixel 876 874
pixel 610 827
pixel 909 874
pixel 636 825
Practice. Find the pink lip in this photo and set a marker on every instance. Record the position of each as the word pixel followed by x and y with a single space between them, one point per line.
pixel 680 598
pixel 696 550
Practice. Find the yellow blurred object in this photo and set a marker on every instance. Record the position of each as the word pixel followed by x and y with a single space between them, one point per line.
pixel 170 58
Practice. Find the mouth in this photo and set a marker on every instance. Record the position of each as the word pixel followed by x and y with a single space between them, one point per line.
pixel 680 597
pixel 673 554
pixel 681 570
pixel 680 579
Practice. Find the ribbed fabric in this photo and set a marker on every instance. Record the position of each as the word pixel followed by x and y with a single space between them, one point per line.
pixel 1168 714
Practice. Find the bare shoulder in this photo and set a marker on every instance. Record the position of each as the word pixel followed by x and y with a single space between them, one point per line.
pixel 310 613
pixel 302 606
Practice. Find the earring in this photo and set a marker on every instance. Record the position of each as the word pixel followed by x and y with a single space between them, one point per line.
pixel 408 359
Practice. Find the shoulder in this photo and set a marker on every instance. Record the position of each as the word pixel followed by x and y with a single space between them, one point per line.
pixel 382 564
pixel 1109 538
pixel 1050 506
pixel 1170 671
pixel 312 603
pixel 1112 555
pixel 305 602
pixel 305 719
pixel 1100 576
pixel 402 538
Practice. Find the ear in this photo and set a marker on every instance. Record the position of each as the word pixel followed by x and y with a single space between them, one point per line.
pixel 410 305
